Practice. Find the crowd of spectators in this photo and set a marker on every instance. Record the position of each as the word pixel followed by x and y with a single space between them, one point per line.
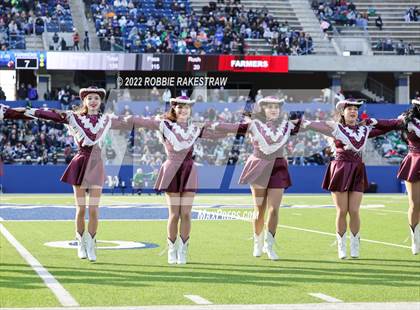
pixel 333 13
pixel 399 47
pixel 35 142
pixel 392 147
pixel 23 17
pixel 171 26
pixel 340 13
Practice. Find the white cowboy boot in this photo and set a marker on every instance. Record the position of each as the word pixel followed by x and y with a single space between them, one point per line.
pixel 91 247
pixel 354 245
pixel 182 251
pixel 415 239
pixel 172 251
pixel 268 246
pixel 342 246
pixel 258 244
pixel 81 245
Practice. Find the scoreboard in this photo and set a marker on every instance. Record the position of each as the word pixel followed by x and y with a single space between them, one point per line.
pixel 22 60
pixel 212 63
pixel 141 62
pixel 166 62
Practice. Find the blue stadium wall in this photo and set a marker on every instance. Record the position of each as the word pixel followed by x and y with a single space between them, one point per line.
pixel 306 179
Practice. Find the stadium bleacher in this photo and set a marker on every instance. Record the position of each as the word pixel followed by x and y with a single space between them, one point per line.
pixel 398 35
pixel 19 19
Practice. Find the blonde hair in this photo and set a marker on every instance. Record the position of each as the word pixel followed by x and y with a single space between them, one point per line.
pixel 80 109
pixel 171 115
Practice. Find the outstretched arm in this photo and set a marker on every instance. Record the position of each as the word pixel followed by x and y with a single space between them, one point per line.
pixel 218 130
pixel 381 127
pixel 46 114
pixel 121 122
pixel 7 113
pixel 143 122
pixel 326 128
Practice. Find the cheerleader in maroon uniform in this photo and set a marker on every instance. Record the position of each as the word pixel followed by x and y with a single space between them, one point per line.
pixel 7 113
pixel 346 175
pixel 266 170
pixel 178 175
pixel 410 171
pixel 88 126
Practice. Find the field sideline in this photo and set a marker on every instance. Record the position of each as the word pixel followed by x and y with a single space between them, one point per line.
pixel 221 269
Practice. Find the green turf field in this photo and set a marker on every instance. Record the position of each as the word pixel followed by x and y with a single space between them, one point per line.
pixel 221 268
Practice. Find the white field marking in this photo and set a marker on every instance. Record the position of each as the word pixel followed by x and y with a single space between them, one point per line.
pixel 331 234
pixel 127 201
pixel 372 206
pixel 297 214
pixel 63 296
pixel 119 245
pixel 390 211
pixel 292 206
pixel 198 299
pixel 325 297
pixel 329 206
pixel 313 306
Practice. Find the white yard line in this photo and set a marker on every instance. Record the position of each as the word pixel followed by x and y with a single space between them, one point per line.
pixel 388 211
pixel 331 234
pixel 325 297
pixel 198 299
pixel 63 296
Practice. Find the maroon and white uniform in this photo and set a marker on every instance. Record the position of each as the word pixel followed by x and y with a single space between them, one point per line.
pixel 347 171
pixel 86 168
pixel 178 173
pixel 266 167
pixel 410 166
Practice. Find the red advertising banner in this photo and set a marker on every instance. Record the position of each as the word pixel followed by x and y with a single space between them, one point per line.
pixel 253 63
